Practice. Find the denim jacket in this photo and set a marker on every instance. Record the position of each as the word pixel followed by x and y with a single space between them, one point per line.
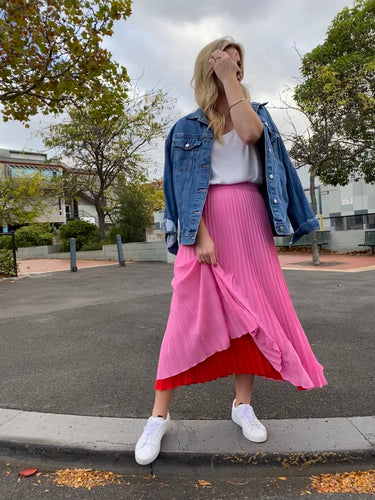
pixel 187 174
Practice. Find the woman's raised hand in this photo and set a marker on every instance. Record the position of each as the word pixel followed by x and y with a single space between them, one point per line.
pixel 224 66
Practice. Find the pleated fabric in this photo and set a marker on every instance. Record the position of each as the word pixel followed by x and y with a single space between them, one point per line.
pixel 237 317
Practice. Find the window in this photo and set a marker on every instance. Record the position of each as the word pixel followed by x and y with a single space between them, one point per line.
pixel 354 222
pixel 371 221
pixel 338 223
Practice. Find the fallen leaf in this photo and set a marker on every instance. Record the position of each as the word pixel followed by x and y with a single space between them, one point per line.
pixel 283 478
pixel 204 483
pixel 28 472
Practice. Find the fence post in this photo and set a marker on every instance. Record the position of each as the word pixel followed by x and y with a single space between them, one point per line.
pixel 14 254
pixel 73 255
pixel 121 258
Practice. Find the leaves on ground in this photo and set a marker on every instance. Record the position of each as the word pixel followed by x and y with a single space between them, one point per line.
pixel 345 482
pixel 85 478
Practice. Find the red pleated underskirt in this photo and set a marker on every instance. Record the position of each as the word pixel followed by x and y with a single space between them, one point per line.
pixel 242 357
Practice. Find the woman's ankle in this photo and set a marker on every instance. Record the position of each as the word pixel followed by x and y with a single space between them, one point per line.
pixel 241 401
pixel 160 414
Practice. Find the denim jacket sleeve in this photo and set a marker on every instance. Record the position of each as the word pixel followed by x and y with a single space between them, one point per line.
pixel 300 213
pixel 170 219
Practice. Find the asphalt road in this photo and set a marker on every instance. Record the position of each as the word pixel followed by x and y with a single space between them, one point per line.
pixel 87 343
pixel 228 484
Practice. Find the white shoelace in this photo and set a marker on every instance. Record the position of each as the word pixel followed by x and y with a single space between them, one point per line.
pixel 151 432
pixel 249 414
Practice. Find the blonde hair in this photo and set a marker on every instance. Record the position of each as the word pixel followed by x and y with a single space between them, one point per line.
pixel 203 81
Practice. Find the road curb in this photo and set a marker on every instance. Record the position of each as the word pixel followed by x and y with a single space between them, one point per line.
pixel 107 442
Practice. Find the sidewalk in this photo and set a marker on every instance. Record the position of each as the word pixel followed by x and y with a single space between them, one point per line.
pixel 329 262
pixel 75 347
pixel 292 445
pixel 37 266
pixel 288 261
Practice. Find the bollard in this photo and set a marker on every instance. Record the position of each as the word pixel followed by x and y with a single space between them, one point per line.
pixel 73 255
pixel 121 258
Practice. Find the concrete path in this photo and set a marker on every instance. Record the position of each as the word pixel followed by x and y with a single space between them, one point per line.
pixel 38 266
pixel 329 262
pixel 288 261
pixel 110 442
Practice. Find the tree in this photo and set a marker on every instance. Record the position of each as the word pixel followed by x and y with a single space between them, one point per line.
pixel 137 202
pixel 337 94
pixel 320 147
pixel 51 54
pixel 23 199
pixel 104 147
pixel 336 97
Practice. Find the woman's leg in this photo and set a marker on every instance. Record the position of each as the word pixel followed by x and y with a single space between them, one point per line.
pixel 162 401
pixel 244 387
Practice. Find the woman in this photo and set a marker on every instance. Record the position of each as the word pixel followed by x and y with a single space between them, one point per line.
pixel 231 186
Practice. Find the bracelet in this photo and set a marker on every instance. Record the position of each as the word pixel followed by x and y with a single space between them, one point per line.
pixel 236 102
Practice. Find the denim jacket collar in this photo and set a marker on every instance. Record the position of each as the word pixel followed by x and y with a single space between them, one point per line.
pixel 201 117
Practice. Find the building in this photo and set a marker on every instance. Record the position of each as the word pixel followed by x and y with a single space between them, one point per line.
pixel 13 163
pixel 19 163
pixel 346 211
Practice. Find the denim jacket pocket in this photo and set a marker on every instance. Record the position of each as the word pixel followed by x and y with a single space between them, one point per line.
pixel 185 151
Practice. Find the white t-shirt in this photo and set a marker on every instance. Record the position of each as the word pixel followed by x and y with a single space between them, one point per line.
pixel 234 161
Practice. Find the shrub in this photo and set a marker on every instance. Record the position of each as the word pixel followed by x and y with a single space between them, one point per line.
pixel 6 242
pixel 6 262
pixel 84 232
pixel 28 236
pixel 65 246
pixel 32 236
pixel 91 245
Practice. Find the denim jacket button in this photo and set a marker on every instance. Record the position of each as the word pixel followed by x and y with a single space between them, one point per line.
pixel 275 201
pixel 187 145
pixel 271 177
pixel 281 228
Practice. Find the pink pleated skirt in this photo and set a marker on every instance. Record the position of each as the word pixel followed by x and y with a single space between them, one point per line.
pixel 237 317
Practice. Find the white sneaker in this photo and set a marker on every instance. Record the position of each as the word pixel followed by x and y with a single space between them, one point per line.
pixel 252 429
pixel 148 445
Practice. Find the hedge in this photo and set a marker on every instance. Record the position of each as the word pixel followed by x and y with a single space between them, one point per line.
pixel 6 262
pixel 85 233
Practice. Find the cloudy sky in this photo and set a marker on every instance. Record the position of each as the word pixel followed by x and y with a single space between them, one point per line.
pixel 160 41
